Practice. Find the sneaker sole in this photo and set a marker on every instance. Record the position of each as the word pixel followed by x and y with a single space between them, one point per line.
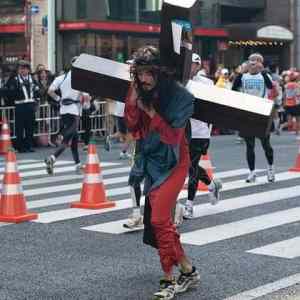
pixel 192 285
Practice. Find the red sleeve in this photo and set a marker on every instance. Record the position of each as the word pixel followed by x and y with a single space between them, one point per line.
pixel 168 134
pixel 134 118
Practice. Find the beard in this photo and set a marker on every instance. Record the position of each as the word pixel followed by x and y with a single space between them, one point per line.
pixel 146 95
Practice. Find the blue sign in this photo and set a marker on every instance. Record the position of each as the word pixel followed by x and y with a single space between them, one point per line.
pixel 35 9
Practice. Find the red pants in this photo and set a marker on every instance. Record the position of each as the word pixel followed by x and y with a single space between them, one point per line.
pixel 162 201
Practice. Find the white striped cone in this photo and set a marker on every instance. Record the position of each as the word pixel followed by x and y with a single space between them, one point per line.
pixel 13 204
pixel 93 193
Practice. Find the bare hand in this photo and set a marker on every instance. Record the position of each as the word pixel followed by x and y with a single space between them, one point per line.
pixel 132 95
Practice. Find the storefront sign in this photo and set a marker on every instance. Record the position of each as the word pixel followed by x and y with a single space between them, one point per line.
pixel 275 32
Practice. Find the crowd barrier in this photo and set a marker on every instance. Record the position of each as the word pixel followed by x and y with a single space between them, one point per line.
pixel 47 120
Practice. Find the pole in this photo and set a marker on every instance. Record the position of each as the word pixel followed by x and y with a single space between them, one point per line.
pixel 137 11
pixel 28 28
pixel 51 36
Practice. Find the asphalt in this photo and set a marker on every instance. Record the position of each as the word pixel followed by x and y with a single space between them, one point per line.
pixel 62 261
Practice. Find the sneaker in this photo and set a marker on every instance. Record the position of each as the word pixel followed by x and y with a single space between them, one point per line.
pixel 134 222
pixel 214 193
pixel 125 155
pixel 107 143
pixel 179 211
pixel 79 168
pixel 49 161
pixel 187 281
pixel 166 290
pixel 188 212
pixel 251 177
pixel 271 174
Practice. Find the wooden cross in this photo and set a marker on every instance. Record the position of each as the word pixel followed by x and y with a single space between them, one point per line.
pixel 223 108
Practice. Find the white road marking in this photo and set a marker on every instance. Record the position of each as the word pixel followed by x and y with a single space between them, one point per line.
pixel 115 227
pixel 267 288
pixel 125 190
pixel 227 231
pixel 201 210
pixel 285 249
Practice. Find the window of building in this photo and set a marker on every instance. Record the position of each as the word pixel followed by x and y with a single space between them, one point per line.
pixel 81 9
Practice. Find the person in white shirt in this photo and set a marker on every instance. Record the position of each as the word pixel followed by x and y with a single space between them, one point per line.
pixel 199 143
pixel 256 82
pixel 71 102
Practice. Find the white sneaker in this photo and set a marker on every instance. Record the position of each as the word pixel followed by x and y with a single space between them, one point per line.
pixel 251 177
pixel 179 211
pixel 214 194
pixel 49 161
pixel 134 222
pixel 188 212
pixel 271 174
pixel 125 155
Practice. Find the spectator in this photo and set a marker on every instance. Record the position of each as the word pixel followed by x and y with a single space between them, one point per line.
pixel 23 90
pixel 44 81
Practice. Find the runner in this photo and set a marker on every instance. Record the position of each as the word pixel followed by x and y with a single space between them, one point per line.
pixel 199 143
pixel 70 109
pixel 256 82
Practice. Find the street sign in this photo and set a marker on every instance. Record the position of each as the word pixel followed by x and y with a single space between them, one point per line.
pixel 35 9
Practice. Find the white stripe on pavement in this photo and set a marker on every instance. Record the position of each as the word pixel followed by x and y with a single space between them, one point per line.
pixel 56 171
pixel 201 210
pixel 285 249
pixel 227 231
pixel 72 213
pixel 267 288
pixel 74 186
pixel 115 227
pixel 38 165
pixel 209 209
pixel 67 199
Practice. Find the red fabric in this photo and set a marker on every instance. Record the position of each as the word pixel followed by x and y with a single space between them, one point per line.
pixel 139 124
pixel 162 200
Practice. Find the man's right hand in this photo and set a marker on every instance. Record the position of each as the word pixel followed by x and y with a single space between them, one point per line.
pixel 132 95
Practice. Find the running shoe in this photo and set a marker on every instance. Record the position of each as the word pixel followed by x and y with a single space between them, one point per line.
pixel 214 192
pixel 271 174
pixel 166 290
pixel 188 212
pixel 49 161
pixel 187 281
pixel 134 222
pixel 251 177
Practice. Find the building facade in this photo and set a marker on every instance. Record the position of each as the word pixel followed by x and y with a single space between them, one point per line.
pixel 227 31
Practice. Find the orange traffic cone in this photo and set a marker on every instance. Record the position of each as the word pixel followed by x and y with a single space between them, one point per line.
pixel 296 167
pixel 5 142
pixel 205 163
pixel 92 192
pixel 12 203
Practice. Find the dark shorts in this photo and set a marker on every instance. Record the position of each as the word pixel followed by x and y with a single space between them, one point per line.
pixel 199 146
pixel 121 125
pixel 293 110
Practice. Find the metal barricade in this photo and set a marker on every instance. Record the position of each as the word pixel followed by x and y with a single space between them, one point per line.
pixel 47 120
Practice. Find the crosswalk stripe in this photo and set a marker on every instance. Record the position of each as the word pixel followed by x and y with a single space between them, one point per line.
pixel 38 165
pixel 74 186
pixel 285 249
pixel 59 170
pixel 41 165
pixel 201 210
pixel 226 231
pixel 123 179
pixel 267 288
pixel 128 202
pixel 115 227
pixel 125 190
pixel 67 187
pixel 63 178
